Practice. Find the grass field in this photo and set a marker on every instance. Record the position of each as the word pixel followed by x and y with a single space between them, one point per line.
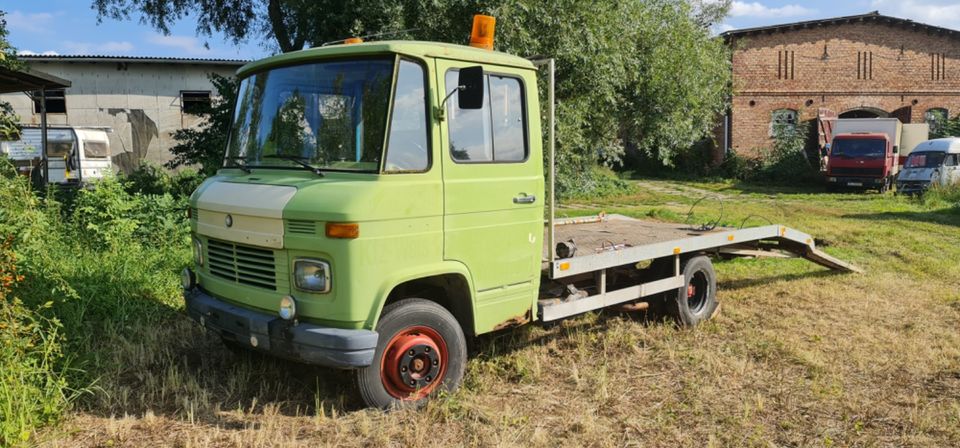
pixel 799 356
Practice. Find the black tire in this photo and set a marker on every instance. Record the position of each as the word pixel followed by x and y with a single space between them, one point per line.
pixel 885 186
pixel 700 280
pixel 401 320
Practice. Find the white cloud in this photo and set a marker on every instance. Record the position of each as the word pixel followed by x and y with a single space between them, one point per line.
pixel 933 12
pixel 30 23
pixel 110 47
pixel 755 9
pixel 34 53
pixel 186 44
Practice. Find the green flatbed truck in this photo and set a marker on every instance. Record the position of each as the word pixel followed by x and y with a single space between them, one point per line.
pixel 382 202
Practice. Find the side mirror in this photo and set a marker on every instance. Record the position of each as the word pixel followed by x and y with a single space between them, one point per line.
pixel 471 88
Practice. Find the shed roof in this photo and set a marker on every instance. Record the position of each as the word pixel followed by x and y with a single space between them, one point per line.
pixel 128 59
pixel 871 17
pixel 26 80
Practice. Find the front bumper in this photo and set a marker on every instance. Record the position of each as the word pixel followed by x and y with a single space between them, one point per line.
pixel 856 182
pixel 307 343
pixel 913 187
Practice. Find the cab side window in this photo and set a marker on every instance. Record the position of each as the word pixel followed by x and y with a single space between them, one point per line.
pixel 951 160
pixel 407 147
pixel 494 134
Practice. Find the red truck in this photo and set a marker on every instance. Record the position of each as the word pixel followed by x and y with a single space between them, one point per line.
pixel 866 153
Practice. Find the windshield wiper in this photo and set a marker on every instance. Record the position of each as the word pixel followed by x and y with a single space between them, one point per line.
pixel 298 161
pixel 240 162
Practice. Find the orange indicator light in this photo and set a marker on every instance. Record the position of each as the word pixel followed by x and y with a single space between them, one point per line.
pixel 345 230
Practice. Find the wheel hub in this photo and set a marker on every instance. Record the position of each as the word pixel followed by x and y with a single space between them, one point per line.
pixel 413 363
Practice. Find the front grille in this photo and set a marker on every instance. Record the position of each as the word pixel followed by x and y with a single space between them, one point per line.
pixel 872 172
pixel 242 264
pixel 301 227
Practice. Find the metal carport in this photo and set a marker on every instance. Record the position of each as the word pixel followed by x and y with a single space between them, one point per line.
pixel 28 81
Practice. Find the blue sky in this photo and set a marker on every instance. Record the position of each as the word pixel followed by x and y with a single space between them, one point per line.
pixel 70 26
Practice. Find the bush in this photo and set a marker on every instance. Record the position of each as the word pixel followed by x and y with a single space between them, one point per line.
pixel 108 263
pixel 787 161
pixel 32 392
pixel 596 182
pixel 150 179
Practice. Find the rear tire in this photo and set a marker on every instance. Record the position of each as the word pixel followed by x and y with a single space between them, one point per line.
pixel 696 301
pixel 421 350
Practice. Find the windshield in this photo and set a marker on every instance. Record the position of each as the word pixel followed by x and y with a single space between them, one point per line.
pixel 331 115
pixel 925 160
pixel 859 147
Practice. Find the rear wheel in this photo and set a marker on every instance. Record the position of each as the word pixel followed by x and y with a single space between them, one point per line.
pixel 421 350
pixel 696 301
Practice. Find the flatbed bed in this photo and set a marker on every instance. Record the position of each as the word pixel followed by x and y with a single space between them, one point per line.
pixel 598 244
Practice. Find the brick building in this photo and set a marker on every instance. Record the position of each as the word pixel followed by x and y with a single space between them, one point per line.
pixel 862 66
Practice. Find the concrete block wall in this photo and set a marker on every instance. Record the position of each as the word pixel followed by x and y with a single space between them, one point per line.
pixel 139 100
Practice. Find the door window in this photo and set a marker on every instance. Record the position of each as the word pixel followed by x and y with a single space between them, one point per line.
pixel 407 148
pixel 951 160
pixel 495 133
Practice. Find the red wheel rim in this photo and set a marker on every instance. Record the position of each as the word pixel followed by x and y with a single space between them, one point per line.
pixel 414 362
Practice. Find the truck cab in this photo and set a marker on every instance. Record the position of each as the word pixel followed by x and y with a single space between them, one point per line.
pixel 361 176
pixel 861 160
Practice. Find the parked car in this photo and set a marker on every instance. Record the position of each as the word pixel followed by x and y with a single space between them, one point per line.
pixel 933 162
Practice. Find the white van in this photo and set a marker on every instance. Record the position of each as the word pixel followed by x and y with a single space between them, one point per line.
pixel 75 154
pixel 933 162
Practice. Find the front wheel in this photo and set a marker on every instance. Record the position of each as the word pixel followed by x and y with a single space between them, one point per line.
pixel 696 301
pixel 421 350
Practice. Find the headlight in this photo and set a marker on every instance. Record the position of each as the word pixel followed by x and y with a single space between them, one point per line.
pixel 288 308
pixel 187 280
pixel 312 275
pixel 197 252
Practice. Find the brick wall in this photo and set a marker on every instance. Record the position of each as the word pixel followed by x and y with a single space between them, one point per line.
pixel 885 68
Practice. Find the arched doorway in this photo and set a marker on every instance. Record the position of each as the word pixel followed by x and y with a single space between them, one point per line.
pixel 865 112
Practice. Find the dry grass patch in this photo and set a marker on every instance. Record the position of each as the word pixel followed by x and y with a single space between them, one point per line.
pixel 797 357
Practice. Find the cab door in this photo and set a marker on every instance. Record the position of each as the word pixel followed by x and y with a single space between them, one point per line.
pixel 493 191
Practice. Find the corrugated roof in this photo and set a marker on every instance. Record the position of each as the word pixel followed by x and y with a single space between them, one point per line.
pixel 874 17
pixel 139 59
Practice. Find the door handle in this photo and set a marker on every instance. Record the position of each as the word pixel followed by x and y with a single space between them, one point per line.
pixel 525 199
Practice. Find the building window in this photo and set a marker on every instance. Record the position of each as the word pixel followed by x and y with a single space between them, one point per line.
pixel 936 118
pixel 938 67
pixel 785 67
pixel 864 65
pixel 783 120
pixel 194 102
pixel 56 101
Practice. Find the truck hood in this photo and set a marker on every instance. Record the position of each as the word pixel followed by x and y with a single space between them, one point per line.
pixel 256 205
pixel 916 174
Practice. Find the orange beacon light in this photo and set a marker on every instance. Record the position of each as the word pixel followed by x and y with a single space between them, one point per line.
pixel 483 31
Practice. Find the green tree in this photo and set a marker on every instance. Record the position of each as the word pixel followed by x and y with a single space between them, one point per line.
pixel 204 146
pixel 9 121
pixel 647 72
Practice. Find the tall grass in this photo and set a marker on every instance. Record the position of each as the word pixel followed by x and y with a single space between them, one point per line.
pixel 84 264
